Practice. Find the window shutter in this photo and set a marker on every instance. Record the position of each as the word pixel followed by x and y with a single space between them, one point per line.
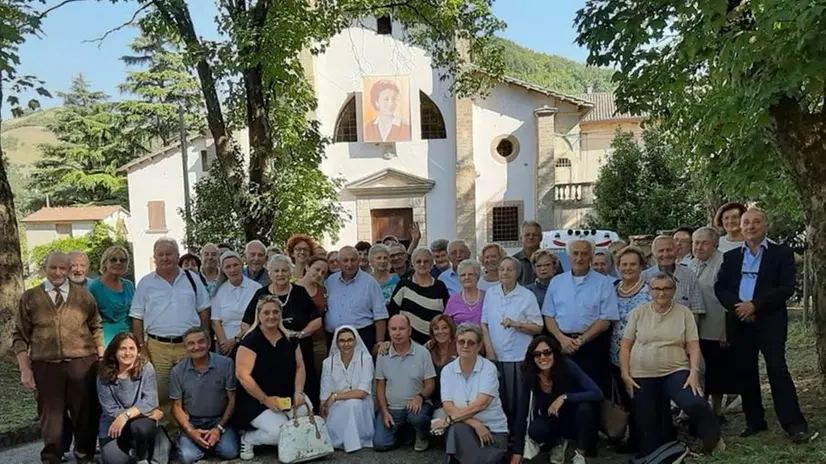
pixel 157 215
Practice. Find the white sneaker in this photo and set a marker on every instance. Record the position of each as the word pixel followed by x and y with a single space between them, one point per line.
pixel 247 453
pixel 422 444
pixel 578 458
pixel 558 453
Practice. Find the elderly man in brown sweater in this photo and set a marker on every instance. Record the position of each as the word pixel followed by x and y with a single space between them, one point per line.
pixel 58 340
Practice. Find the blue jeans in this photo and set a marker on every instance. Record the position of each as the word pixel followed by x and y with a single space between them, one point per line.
pixel 385 439
pixel 226 448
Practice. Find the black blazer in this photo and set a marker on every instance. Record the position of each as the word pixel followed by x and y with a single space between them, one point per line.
pixel 775 282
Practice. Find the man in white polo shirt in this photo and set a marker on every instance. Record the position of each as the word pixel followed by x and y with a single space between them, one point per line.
pixel 167 302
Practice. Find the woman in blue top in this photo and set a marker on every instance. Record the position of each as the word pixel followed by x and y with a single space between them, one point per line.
pixel 113 293
pixel 564 399
pixel 128 395
pixel 379 256
pixel 632 291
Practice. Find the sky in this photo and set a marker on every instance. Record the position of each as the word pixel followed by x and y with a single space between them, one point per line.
pixel 66 47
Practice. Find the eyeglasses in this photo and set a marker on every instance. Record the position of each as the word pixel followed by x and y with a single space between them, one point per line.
pixel 302 249
pixel 466 342
pixel 423 261
pixel 661 289
pixel 115 259
pixel 543 353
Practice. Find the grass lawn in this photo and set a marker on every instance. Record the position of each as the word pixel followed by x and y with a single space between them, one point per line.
pixel 773 446
pixel 18 407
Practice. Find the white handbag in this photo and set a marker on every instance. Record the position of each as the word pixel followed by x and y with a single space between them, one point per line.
pixel 303 438
pixel 531 447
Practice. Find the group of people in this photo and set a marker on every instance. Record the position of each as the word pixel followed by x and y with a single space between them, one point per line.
pixel 394 345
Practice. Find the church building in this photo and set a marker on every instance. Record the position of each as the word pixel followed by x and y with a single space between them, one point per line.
pixel 410 151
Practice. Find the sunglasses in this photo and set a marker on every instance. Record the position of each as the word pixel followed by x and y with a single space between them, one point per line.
pixel 543 353
pixel 468 343
pixel 117 260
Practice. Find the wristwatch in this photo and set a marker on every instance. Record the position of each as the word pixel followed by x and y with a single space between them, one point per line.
pixel 128 414
pixel 221 428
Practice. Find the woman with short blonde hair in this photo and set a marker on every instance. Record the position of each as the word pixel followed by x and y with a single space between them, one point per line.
pixel 113 293
pixel 489 258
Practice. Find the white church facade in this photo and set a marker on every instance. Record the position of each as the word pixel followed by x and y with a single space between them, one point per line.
pixel 410 151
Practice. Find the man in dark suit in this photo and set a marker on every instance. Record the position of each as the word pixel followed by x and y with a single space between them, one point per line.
pixel 754 283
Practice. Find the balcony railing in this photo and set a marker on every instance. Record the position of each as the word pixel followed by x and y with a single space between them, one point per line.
pixel 579 193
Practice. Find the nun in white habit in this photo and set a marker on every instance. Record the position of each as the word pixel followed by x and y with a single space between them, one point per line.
pixel 346 386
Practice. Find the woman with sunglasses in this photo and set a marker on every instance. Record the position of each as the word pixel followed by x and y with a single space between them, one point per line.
pixel 476 426
pixel 113 293
pixel 562 399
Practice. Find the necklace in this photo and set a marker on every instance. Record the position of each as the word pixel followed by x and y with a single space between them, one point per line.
pixel 289 292
pixel 470 306
pixel 628 290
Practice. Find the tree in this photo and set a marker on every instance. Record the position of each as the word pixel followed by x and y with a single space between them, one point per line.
pixel 640 191
pixel 81 168
pixel 162 87
pixel 17 21
pixel 740 80
pixel 259 63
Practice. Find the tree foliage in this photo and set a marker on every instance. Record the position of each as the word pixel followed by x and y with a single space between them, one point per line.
pixel 81 168
pixel 737 82
pixel 162 85
pixel 640 190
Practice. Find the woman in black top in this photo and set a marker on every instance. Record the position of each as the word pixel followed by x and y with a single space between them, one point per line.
pixel 565 401
pixel 300 315
pixel 420 298
pixel 271 370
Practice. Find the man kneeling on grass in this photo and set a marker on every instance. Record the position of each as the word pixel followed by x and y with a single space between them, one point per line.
pixel 202 390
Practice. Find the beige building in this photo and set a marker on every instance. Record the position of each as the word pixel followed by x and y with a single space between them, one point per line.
pixel 49 224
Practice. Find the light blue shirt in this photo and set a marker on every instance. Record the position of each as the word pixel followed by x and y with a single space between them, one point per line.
pixel 751 266
pixel 358 302
pixel 519 305
pixel 451 280
pixel 575 303
pixel 461 391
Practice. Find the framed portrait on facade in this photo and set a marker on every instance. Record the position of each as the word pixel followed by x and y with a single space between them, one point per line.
pixel 385 103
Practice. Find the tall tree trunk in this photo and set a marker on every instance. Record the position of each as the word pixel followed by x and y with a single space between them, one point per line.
pixel 800 138
pixel 11 265
pixel 261 147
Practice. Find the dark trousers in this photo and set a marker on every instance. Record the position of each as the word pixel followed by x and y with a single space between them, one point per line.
pixel 367 334
pixel 68 432
pixel 575 422
pixel 651 401
pixel 66 385
pixel 593 358
pixel 768 336
pixel 137 434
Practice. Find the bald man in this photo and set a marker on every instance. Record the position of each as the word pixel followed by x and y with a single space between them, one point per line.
pixel 753 284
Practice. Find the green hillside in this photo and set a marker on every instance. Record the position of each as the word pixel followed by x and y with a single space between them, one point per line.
pixel 554 72
pixel 21 136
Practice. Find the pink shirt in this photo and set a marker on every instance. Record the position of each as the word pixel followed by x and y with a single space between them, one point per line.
pixel 461 312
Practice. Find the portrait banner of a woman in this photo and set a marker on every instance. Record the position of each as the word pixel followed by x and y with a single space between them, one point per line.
pixel 385 102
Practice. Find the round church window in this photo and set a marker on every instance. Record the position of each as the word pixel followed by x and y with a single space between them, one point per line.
pixel 505 148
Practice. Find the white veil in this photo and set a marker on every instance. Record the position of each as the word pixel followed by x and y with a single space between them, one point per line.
pixel 335 353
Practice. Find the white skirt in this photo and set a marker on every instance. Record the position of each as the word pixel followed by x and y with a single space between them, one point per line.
pixel 350 424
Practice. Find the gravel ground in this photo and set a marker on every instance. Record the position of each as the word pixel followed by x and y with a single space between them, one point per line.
pixel 29 454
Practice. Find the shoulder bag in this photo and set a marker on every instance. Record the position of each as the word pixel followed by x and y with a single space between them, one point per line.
pixel 614 416
pixel 532 448
pixel 303 439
